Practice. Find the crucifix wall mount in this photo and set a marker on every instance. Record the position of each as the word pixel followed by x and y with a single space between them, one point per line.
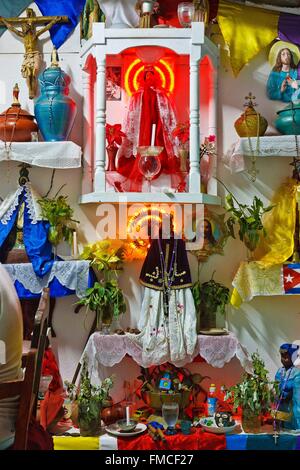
pixel 26 28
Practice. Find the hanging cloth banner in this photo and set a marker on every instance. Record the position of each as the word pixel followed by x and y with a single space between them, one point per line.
pixel 289 28
pixel 72 9
pixel 246 30
pixel 9 9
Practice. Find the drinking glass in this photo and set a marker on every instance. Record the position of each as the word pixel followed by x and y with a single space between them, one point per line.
pixel 170 413
pixel 185 12
pixel 149 163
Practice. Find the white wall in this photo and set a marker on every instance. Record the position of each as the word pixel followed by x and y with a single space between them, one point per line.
pixel 262 324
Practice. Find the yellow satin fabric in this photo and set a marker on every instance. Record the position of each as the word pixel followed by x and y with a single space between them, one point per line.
pixel 246 30
pixel 76 443
pixel 278 245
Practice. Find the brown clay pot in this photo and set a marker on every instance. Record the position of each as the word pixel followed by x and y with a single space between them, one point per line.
pixel 16 124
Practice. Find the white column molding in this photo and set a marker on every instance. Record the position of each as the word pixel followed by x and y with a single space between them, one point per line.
pixel 88 131
pixel 194 176
pixel 100 150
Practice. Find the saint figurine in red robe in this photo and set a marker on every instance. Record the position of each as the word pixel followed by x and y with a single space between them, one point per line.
pixel 149 106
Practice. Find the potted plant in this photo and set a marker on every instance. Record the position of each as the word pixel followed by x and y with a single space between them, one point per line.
pixel 182 135
pixel 90 401
pixel 209 297
pixel 254 394
pixel 60 216
pixel 114 137
pixel 106 299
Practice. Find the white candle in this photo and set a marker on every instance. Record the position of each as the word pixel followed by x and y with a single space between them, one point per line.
pixel 75 247
pixel 153 134
pixel 127 415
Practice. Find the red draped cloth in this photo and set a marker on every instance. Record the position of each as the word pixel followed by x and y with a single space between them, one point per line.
pixel 198 440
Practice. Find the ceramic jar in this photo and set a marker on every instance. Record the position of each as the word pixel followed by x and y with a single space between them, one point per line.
pixel 16 124
pixel 250 123
pixel 288 120
pixel 55 111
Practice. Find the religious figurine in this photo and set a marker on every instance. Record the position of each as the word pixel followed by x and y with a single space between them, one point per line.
pixel 150 107
pixel 288 403
pixel 168 316
pixel 282 83
pixel 91 14
pixel 30 35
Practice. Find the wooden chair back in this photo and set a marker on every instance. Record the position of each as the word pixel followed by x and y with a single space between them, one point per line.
pixel 23 389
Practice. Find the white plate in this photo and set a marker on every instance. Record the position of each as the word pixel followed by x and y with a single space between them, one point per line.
pixel 115 430
pixel 214 428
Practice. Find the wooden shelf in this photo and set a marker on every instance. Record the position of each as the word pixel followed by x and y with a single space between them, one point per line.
pixel 268 146
pixel 179 198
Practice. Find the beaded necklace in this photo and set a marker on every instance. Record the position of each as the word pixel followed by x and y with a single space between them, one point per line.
pixel 276 434
pixel 167 276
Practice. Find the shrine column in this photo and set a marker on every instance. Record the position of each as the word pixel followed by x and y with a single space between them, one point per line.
pixel 212 123
pixel 194 176
pixel 88 126
pixel 100 147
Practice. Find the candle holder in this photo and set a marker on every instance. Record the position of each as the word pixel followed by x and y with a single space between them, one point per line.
pixel 149 163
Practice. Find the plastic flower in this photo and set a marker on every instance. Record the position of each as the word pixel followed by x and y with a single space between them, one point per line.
pixel 182 132
pixel 114 134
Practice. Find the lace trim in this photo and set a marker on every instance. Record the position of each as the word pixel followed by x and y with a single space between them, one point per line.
pixel 71 274
pixel 32 205
pixel 11 206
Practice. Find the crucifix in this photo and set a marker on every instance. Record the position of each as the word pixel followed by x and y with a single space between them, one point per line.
pixel 29 33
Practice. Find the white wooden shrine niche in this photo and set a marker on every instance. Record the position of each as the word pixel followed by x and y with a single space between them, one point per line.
pixel 185 62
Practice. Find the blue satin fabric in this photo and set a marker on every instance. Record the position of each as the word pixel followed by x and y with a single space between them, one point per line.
pixel 35 236
pixel 72 9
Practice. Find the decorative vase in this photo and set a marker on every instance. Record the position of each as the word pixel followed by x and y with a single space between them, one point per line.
pixel 55 111
pixel 207 319
pixel 111 153
pixel 16 124
pixel 251 239
pixel 183 159
pixel 104 319
pixel 89 418
pixel 288 120
pixel 251 423
pixel 250 123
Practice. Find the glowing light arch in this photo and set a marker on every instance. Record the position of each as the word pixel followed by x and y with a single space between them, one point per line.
pixel 136 67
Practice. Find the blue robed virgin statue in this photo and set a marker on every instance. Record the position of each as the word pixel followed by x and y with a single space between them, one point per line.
pixel 282 83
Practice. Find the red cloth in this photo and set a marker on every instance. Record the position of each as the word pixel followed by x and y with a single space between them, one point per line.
pixel 53 399
pixel 198 440
pixel 38 438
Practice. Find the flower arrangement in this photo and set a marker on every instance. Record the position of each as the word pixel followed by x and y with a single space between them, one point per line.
pixel 114 135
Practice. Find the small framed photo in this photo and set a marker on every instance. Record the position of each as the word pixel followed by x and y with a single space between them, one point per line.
pixel 113 83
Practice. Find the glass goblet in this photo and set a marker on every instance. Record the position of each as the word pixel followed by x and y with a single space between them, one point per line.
pixel 170 413
pixel 185 12
pixel 149 163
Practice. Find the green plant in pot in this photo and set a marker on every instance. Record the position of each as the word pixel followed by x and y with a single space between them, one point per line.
pixel 210 297
pixel 254 394
pixel 90 400
pixel 249 220
pixel 60 216
pixel 107 300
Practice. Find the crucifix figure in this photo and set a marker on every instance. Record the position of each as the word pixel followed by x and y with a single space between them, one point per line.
pixel 30 35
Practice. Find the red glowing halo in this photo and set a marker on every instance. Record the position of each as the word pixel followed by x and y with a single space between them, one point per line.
pixel 136 68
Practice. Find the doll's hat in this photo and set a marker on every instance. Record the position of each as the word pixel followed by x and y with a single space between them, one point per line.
pixel 283 45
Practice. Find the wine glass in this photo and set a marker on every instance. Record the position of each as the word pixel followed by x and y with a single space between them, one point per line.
pixel 170 413
pixel 149 163
pixel 185 12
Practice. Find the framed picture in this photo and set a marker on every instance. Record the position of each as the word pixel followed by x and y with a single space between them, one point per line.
pixel 113 83
pixel 212 235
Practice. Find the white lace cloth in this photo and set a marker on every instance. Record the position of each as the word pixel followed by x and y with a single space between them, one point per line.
pixel 108 350
pixel 8 206
pixel 71 274
pixel 44 154
pixel 267 146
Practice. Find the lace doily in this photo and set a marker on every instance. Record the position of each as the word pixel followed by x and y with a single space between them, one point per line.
pixel 108 350
pixel 10 203
pixel 71 274
pixel 8 206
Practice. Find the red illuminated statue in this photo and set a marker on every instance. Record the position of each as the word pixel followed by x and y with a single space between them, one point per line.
pixel 149 105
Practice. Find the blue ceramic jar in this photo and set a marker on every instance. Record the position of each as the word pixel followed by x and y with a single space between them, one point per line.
pixel 54 110
pixel 288 121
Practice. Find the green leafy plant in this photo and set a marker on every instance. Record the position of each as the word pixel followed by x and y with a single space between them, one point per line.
pixel 90 399
pixel 106 299
pixel 255 393
pixel 249 219
pixel 59 214
pixel 104 255
pixel 209 298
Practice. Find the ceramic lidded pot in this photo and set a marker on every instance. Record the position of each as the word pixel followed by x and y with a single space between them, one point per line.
pixel 288 120
pixel 55 111
pixel 16 124
pixel 250 123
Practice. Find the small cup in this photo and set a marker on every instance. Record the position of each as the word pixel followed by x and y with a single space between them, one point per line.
pixel 124 427
pixel 186 426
